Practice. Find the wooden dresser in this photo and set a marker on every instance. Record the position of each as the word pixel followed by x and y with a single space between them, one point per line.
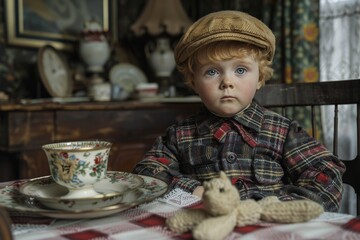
pixel 131 126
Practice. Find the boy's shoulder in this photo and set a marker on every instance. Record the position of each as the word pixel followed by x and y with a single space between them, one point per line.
pixel 188 121
pixel 272 116
pixel 262 112
pixel 276 116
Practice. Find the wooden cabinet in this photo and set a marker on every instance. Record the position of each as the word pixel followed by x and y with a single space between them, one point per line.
pixel 131 126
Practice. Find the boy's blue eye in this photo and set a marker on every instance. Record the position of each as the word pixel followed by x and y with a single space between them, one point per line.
pixel 211 72
pixel 240 70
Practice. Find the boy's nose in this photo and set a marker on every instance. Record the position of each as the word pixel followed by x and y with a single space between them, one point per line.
pixel 226 83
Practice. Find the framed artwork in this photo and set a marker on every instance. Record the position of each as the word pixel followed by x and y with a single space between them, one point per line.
pixel 34 23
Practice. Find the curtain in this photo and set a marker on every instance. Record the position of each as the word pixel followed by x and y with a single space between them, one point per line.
pixel 296 28
pixel 340 60
pixel 295 25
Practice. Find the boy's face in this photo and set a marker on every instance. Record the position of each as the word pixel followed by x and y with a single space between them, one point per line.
pixel 227 87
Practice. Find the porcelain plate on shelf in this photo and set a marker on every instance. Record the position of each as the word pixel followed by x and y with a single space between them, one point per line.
pixel 127 76
pixel 13 200
pixel 111 191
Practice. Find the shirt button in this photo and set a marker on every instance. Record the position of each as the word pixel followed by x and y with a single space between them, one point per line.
pixel 231 157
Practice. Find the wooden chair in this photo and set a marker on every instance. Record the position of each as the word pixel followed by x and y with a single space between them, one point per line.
pixel 283 96
pixel 5 225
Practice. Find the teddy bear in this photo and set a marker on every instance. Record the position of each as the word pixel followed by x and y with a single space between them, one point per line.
pixel 223 210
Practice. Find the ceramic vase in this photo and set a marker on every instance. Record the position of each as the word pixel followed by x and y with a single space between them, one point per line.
pixel 161 57
pixel 94 54
pixel 94 47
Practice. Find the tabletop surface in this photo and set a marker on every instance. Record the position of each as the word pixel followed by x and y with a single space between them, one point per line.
pixel 147 221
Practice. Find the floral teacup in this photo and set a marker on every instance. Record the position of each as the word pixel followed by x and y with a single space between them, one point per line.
pixel 78 165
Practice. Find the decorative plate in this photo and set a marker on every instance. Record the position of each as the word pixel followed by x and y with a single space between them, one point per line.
pixel 13 200
pixel 127 76
pixel 111 191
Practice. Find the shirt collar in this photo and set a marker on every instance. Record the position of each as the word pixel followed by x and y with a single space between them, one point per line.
pixel 251 118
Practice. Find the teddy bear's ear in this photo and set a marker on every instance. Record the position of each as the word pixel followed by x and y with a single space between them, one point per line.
pixel 206 184
pixel 223 175
pixel 224 178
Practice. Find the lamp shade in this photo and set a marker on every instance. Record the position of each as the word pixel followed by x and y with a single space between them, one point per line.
pixel 162 16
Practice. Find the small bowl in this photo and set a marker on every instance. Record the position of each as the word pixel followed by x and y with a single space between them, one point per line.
pixel 146 90
pixel 78 165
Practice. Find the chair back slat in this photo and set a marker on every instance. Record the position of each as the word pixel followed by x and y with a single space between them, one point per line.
pixel 336 131
pixel 313 120
pixel 358 128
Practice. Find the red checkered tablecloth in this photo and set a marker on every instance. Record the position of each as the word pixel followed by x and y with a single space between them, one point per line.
pixel 147 221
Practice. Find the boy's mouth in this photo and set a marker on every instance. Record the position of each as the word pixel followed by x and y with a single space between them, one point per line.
pixel 227 98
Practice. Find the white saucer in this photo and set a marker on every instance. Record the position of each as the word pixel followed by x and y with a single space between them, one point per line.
pixel 13 200
pixel 111 191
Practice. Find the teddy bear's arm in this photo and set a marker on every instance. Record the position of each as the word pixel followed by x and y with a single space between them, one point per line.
pixel 268 200
pixel 248 212
pixel 186 220
pixel 291 211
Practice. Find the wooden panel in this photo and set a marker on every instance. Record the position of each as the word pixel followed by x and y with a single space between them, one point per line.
pixel 9 167
pixel 26 130
pixel 109 125
pixel 126 125
pixel 124 156
pixel 33 164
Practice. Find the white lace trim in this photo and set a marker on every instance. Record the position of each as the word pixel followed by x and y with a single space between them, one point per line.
pixel 179 198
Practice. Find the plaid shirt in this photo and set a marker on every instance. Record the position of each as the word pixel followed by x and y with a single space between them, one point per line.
pixel 261 151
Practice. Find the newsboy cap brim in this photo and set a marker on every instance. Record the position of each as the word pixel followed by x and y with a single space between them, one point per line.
pixel 225 26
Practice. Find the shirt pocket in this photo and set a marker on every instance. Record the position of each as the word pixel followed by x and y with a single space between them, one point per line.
pixel 200 160
pixel 267 171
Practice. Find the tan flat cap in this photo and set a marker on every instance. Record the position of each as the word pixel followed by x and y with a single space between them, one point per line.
pixel 221 26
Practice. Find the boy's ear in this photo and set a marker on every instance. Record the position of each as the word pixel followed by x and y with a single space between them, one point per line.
pixel 259 85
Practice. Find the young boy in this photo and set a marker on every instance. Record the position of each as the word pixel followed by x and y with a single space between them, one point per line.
pixel 225 57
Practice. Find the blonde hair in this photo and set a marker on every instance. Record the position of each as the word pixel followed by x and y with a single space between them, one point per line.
pixel 225 50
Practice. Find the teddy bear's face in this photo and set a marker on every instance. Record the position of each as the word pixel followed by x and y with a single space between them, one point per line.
pixel 220 196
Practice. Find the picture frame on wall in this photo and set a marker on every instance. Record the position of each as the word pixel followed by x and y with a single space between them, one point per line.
pixel 36 23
